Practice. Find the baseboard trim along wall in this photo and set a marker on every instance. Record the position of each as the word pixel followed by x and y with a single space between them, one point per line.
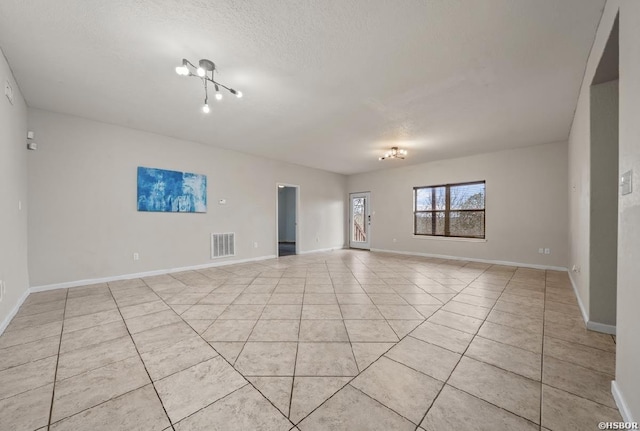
pixel 583 310
pixel 601 327
pixel 625 412
pixel 91 281
pixel 164 271
pixel 470 259
pixel 14 311
pixel 88 282
pixel 322 250
pixel 591 325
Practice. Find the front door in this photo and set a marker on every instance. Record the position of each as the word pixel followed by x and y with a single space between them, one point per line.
pixel 359 220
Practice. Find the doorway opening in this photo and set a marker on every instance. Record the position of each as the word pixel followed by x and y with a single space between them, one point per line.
pixel 603 211
pixel 360 220
pixel 287 220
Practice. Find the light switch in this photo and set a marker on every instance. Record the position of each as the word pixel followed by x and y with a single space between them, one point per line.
pixel 625 183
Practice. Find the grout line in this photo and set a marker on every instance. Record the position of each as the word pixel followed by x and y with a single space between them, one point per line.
pixel 573 341
pixel 354 377
pixel 295 363
pixel 213 402
pixel 466 349
pixel 9 330
pixel 494 405
pixel 140 357
pixel 225 359
pixel 252 328
pixel 544 309
pixel 507 344
pixel 55 375
pixel 383 405
pixel 200 300
pixel 353 354
pixel 30 361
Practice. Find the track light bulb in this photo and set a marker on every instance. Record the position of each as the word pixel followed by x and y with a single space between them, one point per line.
pixel 394 153
pixel 205 71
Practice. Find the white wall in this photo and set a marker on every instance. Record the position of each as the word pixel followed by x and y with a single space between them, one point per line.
pixel 628 295
pixel 287 214
pixel 526 206
pixel 13 194
pixel 628 313
pixel 83 222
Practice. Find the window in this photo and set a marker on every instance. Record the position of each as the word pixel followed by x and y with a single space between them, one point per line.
pixel 450 210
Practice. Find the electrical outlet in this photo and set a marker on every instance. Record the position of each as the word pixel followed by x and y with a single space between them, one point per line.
pixel 547 251
pixel 136 256
pixel 255 245
pixel 541 250
pixel 395 240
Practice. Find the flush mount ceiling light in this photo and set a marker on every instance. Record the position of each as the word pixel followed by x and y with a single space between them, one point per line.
pixel 395 153
pixel 205 71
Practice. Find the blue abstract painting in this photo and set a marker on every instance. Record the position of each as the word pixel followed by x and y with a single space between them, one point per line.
pixel 171 191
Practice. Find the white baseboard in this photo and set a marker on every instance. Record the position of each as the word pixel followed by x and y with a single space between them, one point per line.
pixel 87 282
pixel 583 310
pixel 322 250
pixel 601 327
pixel 13 312
pixel 591 325
pixel 471 259
pixel 625 412
pixel 90 281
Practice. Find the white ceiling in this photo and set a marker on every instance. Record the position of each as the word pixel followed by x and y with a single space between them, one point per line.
pixel 330 84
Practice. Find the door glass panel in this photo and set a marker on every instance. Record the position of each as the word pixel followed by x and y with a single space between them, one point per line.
pixel 359 228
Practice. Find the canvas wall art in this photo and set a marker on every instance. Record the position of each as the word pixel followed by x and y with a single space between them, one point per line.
pixel 171 191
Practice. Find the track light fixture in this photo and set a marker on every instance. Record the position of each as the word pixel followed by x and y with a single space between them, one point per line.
pixel 205 71
pixel 395 153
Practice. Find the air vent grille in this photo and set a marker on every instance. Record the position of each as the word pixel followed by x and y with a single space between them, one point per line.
pixel 223 245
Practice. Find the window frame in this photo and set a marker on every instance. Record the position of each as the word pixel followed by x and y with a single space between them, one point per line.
pixel 447 211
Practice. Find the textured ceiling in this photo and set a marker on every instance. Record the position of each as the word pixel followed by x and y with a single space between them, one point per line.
pixel 323 78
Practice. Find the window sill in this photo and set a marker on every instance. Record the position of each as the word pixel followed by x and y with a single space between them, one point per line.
pixel 448 238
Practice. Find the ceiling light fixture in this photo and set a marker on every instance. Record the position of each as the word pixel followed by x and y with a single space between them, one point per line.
pixel 205 71
pixel 395 153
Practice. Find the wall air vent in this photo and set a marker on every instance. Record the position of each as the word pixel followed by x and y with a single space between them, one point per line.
pixel 223 245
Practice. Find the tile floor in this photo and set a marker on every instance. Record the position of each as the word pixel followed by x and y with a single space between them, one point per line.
pixel 347 340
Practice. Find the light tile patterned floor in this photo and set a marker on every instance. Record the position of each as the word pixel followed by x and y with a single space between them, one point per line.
pixel 346 340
